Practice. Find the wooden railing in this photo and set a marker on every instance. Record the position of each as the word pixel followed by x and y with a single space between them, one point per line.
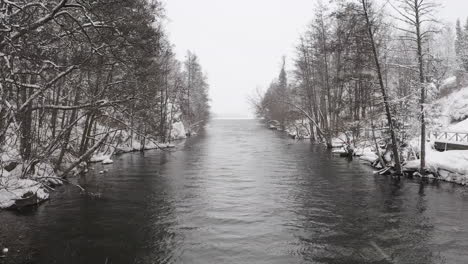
pixel 448 136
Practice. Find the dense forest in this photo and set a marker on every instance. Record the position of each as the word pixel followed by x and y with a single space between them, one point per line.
pixel 84 77
pixel 369 71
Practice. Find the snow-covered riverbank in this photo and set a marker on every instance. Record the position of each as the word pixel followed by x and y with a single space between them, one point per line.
pixel 451 113
pixel 448 113
pixel 16 190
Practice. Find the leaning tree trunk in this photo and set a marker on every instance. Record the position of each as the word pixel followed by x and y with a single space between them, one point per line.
pixel 382 88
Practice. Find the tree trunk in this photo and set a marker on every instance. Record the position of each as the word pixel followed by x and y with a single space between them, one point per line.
pixel 422 83
pixel 26 124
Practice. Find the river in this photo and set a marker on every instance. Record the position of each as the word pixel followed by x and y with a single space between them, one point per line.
pixel 240 193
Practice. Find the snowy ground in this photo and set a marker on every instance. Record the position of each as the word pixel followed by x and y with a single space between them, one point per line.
pixel 452 111
pixel 451 166
pixel 13 188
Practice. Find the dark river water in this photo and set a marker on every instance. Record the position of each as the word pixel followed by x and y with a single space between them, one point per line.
pixel 240 193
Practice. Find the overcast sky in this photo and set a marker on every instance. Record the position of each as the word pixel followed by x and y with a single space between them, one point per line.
pixel 240 42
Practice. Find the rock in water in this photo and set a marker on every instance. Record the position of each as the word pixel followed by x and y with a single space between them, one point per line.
pixel 30 198
pixel 11 166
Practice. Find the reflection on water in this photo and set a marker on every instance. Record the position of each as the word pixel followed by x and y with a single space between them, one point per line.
pixel 239 193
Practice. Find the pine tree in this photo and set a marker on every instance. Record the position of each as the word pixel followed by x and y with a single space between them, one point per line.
pixel 461 45
pixel 283 78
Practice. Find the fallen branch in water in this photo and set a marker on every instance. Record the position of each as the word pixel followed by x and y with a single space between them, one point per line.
pixel 60 179
pixel 84 156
